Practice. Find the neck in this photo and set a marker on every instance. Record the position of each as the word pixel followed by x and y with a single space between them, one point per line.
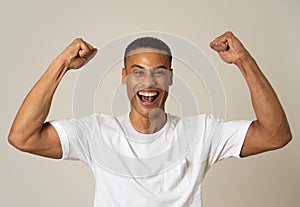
pixel 148 124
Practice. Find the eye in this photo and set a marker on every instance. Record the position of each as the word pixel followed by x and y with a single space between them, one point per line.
pixel 159 72
pixel 138 72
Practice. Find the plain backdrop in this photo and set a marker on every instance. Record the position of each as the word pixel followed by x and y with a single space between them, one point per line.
pixel 34 32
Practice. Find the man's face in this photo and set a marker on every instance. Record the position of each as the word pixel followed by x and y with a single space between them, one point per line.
pixel 147 75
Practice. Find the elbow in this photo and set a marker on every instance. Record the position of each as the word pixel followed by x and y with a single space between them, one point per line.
pixel 282 140
pixel 18 141
pixel 287 138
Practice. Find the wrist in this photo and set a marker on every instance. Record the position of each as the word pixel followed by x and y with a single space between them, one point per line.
pixel 244 61
pixel 56 70
pixel 60 63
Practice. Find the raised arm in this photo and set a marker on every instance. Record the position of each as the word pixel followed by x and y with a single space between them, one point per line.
pixel 29 133
pixel 271 129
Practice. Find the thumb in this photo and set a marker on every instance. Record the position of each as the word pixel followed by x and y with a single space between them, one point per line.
pixel 219 46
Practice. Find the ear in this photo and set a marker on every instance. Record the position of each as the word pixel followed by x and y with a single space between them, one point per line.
pixel 124 74
pixel 171 77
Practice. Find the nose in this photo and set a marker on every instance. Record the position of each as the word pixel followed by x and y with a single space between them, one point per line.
pixel 148 80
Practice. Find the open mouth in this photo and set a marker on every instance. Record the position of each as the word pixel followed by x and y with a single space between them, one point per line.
pixel 147 96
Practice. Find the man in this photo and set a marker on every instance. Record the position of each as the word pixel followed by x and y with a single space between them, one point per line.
pixel 147 131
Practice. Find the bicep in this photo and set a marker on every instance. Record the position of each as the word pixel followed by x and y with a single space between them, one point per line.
pixel 256 141
pixel 46 143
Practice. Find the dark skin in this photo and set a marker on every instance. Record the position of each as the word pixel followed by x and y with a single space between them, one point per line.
pixel 30 133
pixel 271 129
pixel 147 70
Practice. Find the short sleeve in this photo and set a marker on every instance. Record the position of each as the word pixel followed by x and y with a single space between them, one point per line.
pixel 227 138
pixel 74 136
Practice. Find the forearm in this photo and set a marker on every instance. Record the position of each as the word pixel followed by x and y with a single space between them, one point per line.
pixel 35 108
pixel 271 129
pixel 271 119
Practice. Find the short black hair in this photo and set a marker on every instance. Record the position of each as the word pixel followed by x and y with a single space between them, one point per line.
pixel 147 42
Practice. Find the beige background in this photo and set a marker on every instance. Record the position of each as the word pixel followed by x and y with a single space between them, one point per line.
pixel 33 32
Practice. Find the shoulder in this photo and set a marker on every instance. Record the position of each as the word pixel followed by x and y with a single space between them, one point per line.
pixel 98 117
pixel 199 123
pixel 89 121
pixel 207 119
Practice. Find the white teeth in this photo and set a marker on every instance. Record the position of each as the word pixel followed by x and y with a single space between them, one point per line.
pixel 148 93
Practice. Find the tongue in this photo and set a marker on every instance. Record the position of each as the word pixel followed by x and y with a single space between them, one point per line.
pixel 147 98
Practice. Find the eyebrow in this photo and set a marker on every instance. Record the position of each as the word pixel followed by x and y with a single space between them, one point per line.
pixel 141 67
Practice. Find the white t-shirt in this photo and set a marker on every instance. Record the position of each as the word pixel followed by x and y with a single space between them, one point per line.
pixel 166 168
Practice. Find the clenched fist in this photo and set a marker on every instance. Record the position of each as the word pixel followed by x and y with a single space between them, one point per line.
pixel 230 49
pixel 77 54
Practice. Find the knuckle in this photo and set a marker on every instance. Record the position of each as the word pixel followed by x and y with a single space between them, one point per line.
pixel 78 40
pixel 229 33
